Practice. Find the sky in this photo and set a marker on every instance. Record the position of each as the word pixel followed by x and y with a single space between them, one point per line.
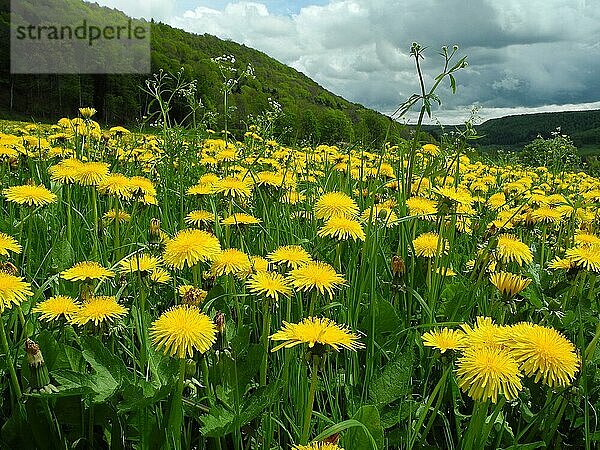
pixel 524 55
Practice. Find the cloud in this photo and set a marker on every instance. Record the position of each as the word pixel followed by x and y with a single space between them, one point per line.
pixel 521 54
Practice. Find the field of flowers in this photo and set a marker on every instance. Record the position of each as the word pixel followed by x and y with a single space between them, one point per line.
pixel 183 291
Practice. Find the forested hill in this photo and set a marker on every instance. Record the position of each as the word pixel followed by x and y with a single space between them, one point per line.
pixel 582 126
pixel 309 111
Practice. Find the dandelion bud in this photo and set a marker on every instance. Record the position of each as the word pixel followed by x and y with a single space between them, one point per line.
pixel 190 368
pixel 220 322
pixel 39 378
pixel 398 266
pixel 87 113
pixel 333 439
pixel 9 268
pixel 194 296
pixel 154 231
pixel 208 280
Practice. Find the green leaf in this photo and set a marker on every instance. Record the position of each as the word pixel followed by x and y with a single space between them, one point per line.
pixel 452 83
pixel 72 383
pixel 531 446
pixel 260 400
pixel 109 369
pixel 141 395
pixel 50 349
pixel 61 255
pixel 394 381
pixel 363 438
pixel 386 317
pixel 218 423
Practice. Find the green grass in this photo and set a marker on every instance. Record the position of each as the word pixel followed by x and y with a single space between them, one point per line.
pixel 116 389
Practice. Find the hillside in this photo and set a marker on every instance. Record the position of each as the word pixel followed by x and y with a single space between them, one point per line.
pixel 582 126
pixel 310 110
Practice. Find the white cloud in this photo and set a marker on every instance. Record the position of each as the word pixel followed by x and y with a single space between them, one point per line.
pixel 521 54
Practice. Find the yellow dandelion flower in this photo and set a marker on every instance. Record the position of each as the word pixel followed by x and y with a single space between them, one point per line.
pixel 57 307
pixel 316 275
pixel 8 243
pixel 586 257
pixel 184 288
pixel 199 217
pixel 509 284
pixel 98 310
pixel 431 149
pixel 64 172
pixel 561 264
pixel 421 206
pixel 293 197
pixel 209 178
pixel 233 187
pixel 240 219
pixel 485 333
pixel 90 173
pixel 142 187
pixel 13 290
pixel 292 256
pixel 342 228
pixel 160 276
pixel 111 214
pixel 335 204
pixel 193 296
pixel 201 189
pixel 29 195
pixel 445 271
pixel 269 284
pixel 318 446
pixel 181 330
pixel 230 261
pixel 455 195
pixel 259 264
pixel 546 214
pixel 444 339
pixel 545 353
pixel 586 239
pixel 117 185
pixel 511 249
pixel 273 179
pixel 313 331
pixel 87 112
pixel 497 201
pixel 139 263
pixel 428 245
pixel 487 372
pixel 190 247
pixel 86 271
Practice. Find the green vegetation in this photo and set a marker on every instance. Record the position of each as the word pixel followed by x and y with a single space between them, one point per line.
pixel 310 112
pixel 582 126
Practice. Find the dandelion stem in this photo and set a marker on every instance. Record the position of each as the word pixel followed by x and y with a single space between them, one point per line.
pixel 265 341
pixel 311 398
pixel 11 368
pixel 176 413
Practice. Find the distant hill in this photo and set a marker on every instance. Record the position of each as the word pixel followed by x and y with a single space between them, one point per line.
pixel 582 126
pixel 310 111
pixel 518 130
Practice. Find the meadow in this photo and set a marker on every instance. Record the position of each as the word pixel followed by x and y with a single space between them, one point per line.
pixel 190 290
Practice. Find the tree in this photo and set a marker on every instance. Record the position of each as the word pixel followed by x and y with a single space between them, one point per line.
pixel 558 153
